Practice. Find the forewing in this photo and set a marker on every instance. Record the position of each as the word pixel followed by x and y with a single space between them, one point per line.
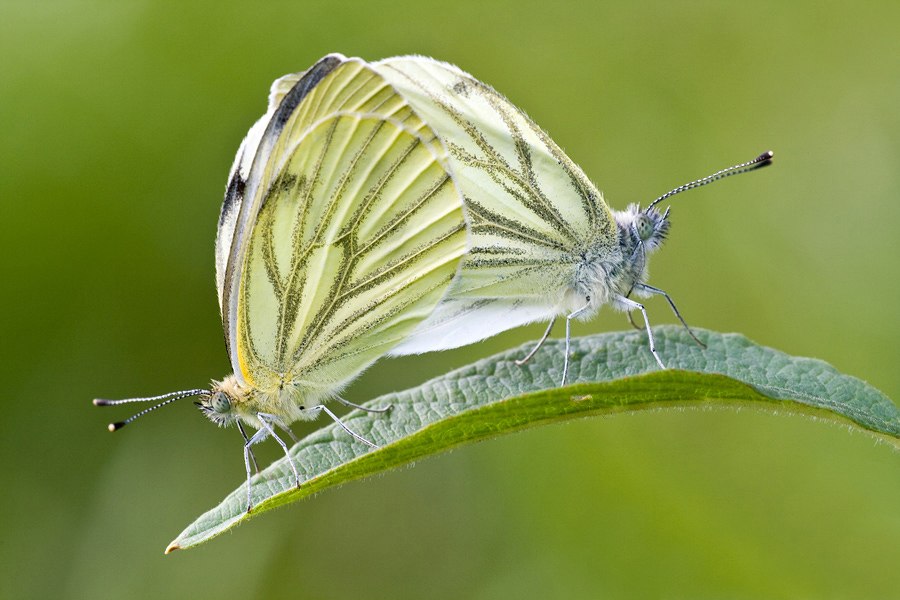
pixel 531 210
pixel 237 179
pixel 355 238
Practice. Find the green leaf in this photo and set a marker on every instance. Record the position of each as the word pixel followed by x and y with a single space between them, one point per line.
pixel 609 373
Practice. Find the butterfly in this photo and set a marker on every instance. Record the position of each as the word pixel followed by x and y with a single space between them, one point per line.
pixel 341 229
pixel 542 242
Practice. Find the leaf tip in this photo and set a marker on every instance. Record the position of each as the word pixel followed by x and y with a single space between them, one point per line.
pixel 173 546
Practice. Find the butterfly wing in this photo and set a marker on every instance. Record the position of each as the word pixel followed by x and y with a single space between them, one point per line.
pixel 532 212
pixel 350 230
pixel 237 179
pixel 457 322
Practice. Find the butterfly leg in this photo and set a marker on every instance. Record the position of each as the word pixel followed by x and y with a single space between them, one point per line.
pixel 638 252
pixel 370 410
pixel 569 337
pixel 267 420
pixel 334 417
pixel 638 306
pixel 653 290
pixel 257 437
pixel 631 320
pixel 288 431
pixel 246 439
pixel 539 344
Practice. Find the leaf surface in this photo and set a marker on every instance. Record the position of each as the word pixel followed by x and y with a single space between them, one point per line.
pixel 609 373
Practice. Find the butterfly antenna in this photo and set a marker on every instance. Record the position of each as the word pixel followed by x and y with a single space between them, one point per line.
pixel 763 160
pixel 167 399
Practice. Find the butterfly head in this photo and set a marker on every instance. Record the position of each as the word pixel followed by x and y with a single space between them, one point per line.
pixel 641 230
pixel 649 227
pixel 220 402
pixel 217 407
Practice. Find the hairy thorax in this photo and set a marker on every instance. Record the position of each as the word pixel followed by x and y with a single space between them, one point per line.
pixel 287 400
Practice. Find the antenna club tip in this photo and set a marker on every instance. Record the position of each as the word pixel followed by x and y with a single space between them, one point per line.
pixel 100 402
pixel 115 426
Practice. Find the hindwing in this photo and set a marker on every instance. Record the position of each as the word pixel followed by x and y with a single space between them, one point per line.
pixel 531 210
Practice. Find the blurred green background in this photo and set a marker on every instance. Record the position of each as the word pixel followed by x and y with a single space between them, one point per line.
pixel 119 123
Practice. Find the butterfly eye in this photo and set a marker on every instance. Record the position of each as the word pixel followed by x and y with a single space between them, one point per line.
pixel 219 403
pixel 644 227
